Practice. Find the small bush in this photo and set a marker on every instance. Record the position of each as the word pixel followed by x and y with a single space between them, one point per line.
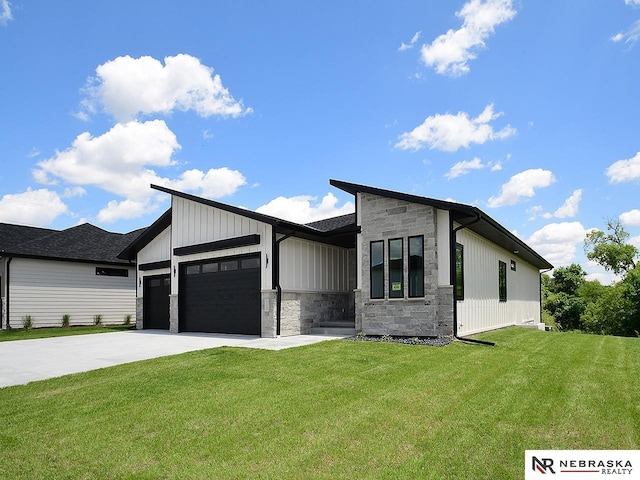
pixel 27 322
pixel 127 319
pixel 66 320
pixel 97 320
pixel 361 334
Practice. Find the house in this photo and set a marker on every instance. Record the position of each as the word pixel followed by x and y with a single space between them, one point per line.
pixel 46 274
pixel 401 265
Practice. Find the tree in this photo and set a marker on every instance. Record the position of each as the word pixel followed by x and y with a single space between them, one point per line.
pixel 561 296
pixel 611 250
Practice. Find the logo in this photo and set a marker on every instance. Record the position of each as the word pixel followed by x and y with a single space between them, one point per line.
pixel 542 465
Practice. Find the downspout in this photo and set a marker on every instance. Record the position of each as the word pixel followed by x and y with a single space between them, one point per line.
pixel 454 277
pixel 6 297
pixel 276 276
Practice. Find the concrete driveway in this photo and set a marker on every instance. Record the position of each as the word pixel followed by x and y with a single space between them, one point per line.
pixel 24 361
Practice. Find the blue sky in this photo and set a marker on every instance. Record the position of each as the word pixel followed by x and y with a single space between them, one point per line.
pixel 526 109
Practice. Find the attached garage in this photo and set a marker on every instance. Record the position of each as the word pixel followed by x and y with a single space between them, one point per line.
pixel 157 289
pixel 221 295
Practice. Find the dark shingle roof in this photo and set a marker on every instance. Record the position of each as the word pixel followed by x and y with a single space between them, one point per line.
pixel 84 242
pixel 335 223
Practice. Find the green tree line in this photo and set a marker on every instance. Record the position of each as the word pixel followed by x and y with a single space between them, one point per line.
pixel 576 303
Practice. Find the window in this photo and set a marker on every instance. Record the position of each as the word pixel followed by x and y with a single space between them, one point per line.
pixel 228 265
pixel 416 266
pixel 502 281
pixel 210 267
pixel 247 263
pixel 112 272
pixel 459 293
pixel 377 269
pixel 192 270
pixel 396 272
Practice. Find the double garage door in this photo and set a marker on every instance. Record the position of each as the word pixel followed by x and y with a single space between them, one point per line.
pixel 221 296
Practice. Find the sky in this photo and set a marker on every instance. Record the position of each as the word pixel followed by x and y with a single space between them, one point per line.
pixel 527 109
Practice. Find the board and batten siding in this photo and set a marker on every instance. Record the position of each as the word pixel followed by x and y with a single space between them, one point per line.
pixel 194 223
pixel 307 266
pixel 481 309
pixel 48 289
pixel 157 250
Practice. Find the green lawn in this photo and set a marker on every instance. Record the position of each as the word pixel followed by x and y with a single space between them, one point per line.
pixel 23 334
pixel 337 409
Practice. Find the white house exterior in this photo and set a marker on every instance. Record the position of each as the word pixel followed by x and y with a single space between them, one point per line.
pixel 46 274
pixel 401 265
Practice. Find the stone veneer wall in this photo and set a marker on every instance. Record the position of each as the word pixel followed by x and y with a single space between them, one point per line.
pixel 139 313
pixel 300 310
pixel 384 218
pixel 268 320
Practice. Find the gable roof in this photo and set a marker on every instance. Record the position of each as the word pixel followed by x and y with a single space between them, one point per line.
pixel 83 243
pixel 334 223
pixel 484 225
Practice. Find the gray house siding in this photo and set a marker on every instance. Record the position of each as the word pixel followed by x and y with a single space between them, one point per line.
pixel 383 219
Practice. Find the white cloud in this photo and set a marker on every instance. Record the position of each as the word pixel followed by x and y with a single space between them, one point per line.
pixel 450 52
pixel 632 2
pixel 71 192
pixel 33 207
pixel 631 36
pixel 121 162
pixel 557 242
pixel 464 167
pixel 300 209
pixel 127 87
pixel 407 46
pixel 449 132
pixel 5 12
pixel 635 241
pixel 624 170
pixel 522 185
pixel 631 218
pixel 569 208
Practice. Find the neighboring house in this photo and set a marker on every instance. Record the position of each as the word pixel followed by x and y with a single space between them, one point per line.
pixel 49 273
pixel 392 268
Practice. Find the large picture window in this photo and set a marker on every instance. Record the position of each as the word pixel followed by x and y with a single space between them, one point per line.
pixel 396 271
pixel 377 269
pixel 502 281
pixel 416 266
pixel 459 272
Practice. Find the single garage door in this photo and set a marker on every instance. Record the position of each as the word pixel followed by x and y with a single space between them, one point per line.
pixel 221 296
pixel 156 290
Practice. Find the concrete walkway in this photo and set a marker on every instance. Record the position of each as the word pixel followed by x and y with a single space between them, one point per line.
pixel 24 361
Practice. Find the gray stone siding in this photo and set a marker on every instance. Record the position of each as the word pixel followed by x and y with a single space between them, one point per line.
pixel 301 310
pixel 268 321
pixel 139 313
pixel 173 313
pixel 383 219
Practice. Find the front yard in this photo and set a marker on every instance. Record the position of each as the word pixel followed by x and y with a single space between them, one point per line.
pixel 337 409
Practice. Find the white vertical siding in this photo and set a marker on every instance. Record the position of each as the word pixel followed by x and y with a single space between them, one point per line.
pixel 481 309
pixel 194 223
pixel 158 249
pixel 47 289
pixel 312 266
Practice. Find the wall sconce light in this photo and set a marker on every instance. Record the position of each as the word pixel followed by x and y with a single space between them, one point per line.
pixel 140 282
pixel 174 271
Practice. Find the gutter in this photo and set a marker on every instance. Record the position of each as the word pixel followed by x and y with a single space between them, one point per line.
pixel 276 275
pixel 454 277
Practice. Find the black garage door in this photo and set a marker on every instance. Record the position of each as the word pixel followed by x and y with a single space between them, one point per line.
pixel 221 296
pixel 156 292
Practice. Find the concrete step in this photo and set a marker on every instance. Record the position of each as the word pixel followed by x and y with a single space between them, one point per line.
pixel 346 331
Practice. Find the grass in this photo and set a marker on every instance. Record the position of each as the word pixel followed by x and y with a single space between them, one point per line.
pixel 332 410
pixel 26 334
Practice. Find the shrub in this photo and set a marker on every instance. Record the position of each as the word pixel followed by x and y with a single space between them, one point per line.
pixel 27 322
pixel 127 319
pixel 97 320
pixel 66 320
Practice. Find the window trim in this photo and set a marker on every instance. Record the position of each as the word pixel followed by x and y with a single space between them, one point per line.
pixel 397 293
pixel 459 291
pixel 502 281
pixel 410 270
pixel 371 271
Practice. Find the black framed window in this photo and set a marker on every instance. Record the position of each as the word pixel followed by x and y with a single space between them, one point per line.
pixel 377 269
pixel 396 271
pixel 459 293
pixel 112 272
pixel 416 266
pixel 502 281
